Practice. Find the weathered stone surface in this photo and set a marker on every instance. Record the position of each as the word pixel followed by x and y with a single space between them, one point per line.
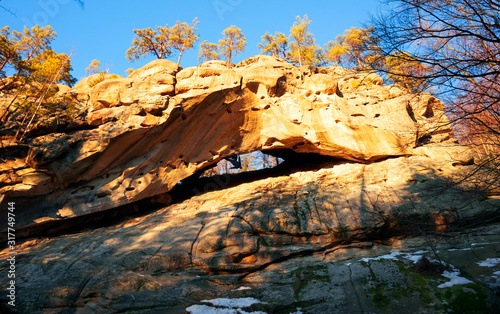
pixel 268 77
pixel 162 124
pixel 175 258
pixel 363 163
pixel 160 66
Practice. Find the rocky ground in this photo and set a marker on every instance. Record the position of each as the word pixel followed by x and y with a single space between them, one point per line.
pixel 196 257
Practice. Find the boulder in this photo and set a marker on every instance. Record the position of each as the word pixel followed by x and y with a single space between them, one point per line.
pixel 160 66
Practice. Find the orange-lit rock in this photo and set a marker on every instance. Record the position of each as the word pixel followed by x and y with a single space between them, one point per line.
pixel 163 124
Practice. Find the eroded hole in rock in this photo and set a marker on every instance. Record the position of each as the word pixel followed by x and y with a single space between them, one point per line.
pixel 254 166
pixel 423 140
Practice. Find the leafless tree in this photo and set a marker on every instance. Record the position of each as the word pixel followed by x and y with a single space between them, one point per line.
pixel 458 41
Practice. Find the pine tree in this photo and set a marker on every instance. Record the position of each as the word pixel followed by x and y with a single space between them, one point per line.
pixel 35 65
pixel 161 41
pixel 183 36
pixel 303 47
pixel 232 43
pixel 276 45
pixel 207 52
pixel 149 42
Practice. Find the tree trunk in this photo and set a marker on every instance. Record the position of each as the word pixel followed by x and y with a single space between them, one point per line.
pixel 180 55
pixel 300 61
pixel 4 62
pixel 229 61
pixel 8 107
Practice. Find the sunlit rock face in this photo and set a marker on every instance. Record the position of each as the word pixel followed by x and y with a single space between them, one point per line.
pixel 162 124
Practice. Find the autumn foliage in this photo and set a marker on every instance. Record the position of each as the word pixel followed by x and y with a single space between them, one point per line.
pixel 34 69
pixel 232 43
pixel 298 48
pixel 208 51
pixel 163 40
pixel 355 48
pixel 450 46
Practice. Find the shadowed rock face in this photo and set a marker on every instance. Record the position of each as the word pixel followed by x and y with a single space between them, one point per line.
pixel 162 124
pixel 314 240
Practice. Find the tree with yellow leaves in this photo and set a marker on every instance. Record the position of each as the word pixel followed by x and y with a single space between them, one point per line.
pixel 36 66
pixel 356 48
pixel 276 45
pixel 182 37
pixel 29 53
pixel 9 57
pixel 335 52
pixel 93 67
pixel 303 49
pixel 18 50
pixel 149 42
pixel 52 67
pixel 161 41
pixel 406 70
pixel 232 43
pixel 207 52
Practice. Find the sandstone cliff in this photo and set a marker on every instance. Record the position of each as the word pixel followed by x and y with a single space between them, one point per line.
pixel 363 162
pixel 145 133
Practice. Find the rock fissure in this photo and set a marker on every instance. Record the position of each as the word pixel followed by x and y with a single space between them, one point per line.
pixel 197 236
pixel 302 253
pixel 81 288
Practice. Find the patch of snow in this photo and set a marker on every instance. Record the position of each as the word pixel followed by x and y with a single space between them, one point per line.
pixel 453 250
pixel 474 244
pixel 490 262
pixel 225 306
pixel 348 264
pixel 299 311
pixel 497 273
pixel 455 279
pixel 242 288
pixel 392 256
pixel 420 252
pixel 233 303
pixel 413 257
pixel 204 309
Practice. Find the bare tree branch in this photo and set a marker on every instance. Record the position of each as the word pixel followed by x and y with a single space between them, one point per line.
pixel 458 41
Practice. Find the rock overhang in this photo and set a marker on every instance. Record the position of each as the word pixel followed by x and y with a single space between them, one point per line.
pixel 162 124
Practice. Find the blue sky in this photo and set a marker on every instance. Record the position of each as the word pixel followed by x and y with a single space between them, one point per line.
pixel 103 29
